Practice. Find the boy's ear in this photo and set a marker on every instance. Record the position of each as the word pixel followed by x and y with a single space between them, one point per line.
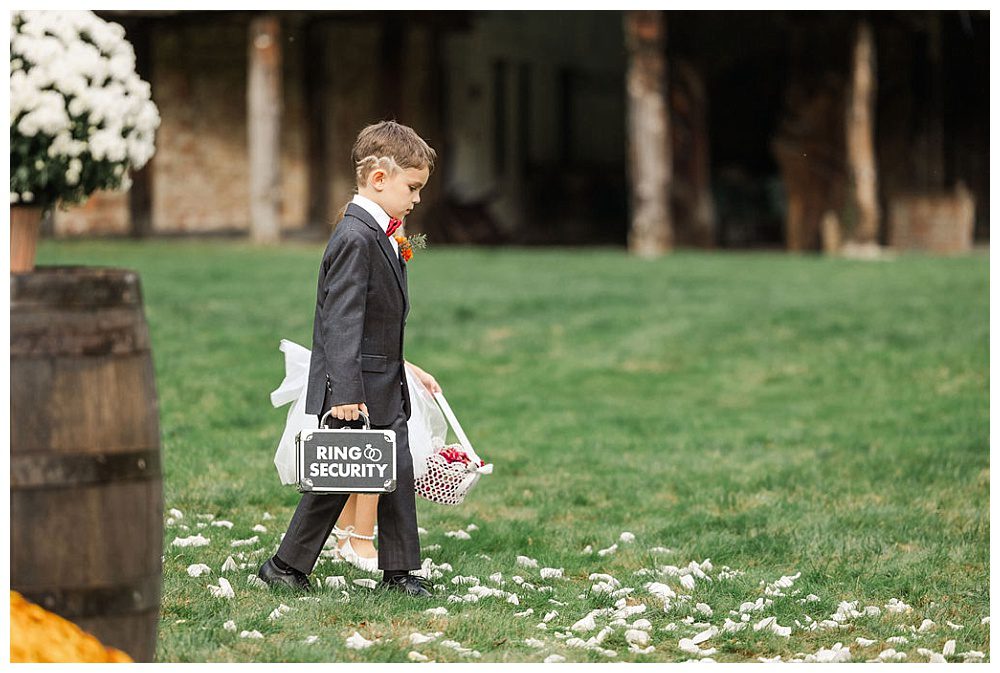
pixel 377 178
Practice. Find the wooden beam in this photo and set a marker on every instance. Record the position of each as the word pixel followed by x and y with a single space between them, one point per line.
pixel 648 121
pixel 861 168
pixel 264 127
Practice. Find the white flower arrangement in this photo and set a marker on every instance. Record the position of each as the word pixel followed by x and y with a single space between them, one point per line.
pixel 80 116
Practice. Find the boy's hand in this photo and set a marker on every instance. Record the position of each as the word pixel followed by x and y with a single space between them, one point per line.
pixel 349 412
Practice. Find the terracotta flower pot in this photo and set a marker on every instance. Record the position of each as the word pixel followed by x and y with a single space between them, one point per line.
pixel 24 224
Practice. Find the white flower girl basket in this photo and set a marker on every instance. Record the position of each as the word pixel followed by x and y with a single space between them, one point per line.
pixel 449 473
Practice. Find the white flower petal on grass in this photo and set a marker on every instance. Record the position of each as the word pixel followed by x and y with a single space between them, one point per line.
pixel 311 639
pixel 458 535
pixel 436 611
pixel 660 590
pixel 525 613
pixel 659 550
pixel 198 569
pixel 259 528
pixel 733 627
pixel 533 642
pixel 949 648
pixel 689 646
pixel 554 659
pixel 335 582
pixel 191 541
pixel 176 513
pixel 704 635
pixel 589 549
pixel 421 530
pixel 925 625
pixel 245 543
pixel 527 562
pixel 230 626
pixel 641 650
pixel 890 655
pixel 687 581
pixel 953 625
pixel 985 620
pixel 431 547
pixel 418 638
pixel 472 528
pixel 864 642
pixel 932 656
pixel 551 573
pixel 367 583
pixel 897 606
pixel 222 523
pixel 637 637
pixel 610 550
pixel 972 656
pixel 255 581
pixel 251 634
pixel 836 654
pixel 497 578
pixel 549 616
pixel 358 642
pixel 704 608
pixel 229 565
pixel 513 599
pixel 626 537
pixel 415 656
pixel 278 612
pixel 585 624
pixel 642 624
pixel 224 590
pixel 461 579
pixel 542 625
pixel 266 516
pixel 897 640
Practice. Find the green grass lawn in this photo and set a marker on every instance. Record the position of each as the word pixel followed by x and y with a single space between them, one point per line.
pixel 780 415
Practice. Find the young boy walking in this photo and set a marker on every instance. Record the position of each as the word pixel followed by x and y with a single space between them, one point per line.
pixel 357 355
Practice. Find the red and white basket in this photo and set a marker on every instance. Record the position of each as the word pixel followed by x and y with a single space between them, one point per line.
pixel 453 470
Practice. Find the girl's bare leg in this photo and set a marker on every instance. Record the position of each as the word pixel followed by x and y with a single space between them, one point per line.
pixel 347 516
pixel 365 514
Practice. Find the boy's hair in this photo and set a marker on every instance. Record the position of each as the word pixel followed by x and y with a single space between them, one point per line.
pixel 389 146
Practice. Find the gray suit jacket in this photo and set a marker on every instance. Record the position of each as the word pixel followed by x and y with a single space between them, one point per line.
pixel 361 308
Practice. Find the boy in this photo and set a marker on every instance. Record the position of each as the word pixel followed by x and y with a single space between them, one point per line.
pixel 357 355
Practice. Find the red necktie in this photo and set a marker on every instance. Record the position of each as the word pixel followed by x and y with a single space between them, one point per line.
pixel 394 224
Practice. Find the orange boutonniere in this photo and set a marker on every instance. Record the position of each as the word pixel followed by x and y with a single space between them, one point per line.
pixel 408 243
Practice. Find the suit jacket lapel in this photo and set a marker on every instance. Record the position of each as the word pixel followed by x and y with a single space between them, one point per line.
pixel 383 243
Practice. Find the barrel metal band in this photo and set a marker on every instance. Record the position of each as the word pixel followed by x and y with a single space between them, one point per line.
pixel 104 601
pixel 50 469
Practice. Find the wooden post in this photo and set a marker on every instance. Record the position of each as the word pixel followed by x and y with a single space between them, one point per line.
pixel 649 156
pixel 860 117
pixel 140 196
pixel 264 126
pixel 314 85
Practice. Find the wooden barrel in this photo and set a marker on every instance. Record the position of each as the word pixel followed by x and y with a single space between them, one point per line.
pixel 86 501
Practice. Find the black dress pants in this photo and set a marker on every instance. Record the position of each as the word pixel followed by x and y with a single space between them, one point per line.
pixel 398 541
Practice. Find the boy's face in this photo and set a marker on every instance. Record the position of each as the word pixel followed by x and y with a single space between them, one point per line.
pixel 398 192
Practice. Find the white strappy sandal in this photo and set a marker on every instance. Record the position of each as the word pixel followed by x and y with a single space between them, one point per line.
pixel 348 554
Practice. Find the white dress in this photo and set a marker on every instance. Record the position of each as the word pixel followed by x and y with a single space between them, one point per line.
pixel 427 427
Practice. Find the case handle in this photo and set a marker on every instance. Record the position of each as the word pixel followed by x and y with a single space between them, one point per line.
pixel 368 425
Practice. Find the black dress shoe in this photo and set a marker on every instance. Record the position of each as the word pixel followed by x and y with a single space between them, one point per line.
pixel 291 578
pixel 409 584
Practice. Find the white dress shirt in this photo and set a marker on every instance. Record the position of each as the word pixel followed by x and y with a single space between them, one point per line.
pixel 380 216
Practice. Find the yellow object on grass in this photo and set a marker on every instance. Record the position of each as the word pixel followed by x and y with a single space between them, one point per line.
pixel 37 636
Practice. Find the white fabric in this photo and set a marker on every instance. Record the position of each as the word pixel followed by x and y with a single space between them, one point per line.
pixel 427 427
pixel 379 214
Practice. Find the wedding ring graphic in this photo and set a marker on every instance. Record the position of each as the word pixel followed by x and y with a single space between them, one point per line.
pixel 372 454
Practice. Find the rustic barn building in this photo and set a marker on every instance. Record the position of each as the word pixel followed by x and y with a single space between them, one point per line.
pixel 781 129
